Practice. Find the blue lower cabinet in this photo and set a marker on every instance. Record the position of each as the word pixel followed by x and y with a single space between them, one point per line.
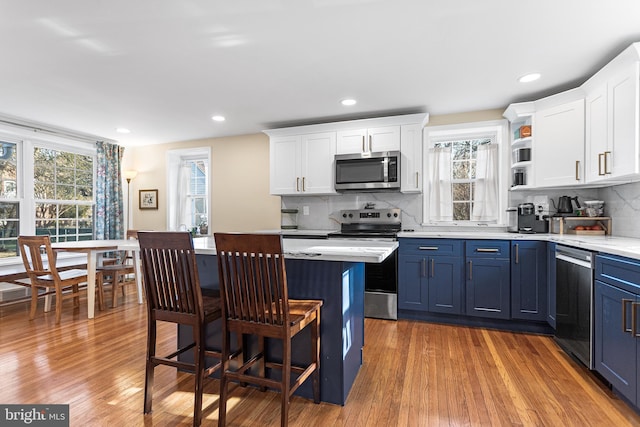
pixel 430 276
pixel 529 280
pixel 488 287
pixel 488 281
pixel 615 347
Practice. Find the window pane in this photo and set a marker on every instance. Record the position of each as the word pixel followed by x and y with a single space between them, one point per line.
pixel 461 191
pixel 9 228
pixel 65 176
pixel 67 211
pixel 461 211
pixel 461 170
pixel 8 170
pixel 65 192
pixel 84 193
pixel 460 150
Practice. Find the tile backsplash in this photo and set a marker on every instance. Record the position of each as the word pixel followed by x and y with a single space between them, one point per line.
pixel 622 204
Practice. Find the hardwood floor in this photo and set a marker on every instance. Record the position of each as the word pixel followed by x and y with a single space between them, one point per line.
pixel 414 374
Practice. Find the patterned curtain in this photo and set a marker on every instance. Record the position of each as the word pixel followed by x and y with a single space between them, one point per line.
pixel 109 204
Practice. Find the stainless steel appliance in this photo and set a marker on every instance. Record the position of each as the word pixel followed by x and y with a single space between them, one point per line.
pixel 574 302
pixel 529 221
pixel 512 220
pixel 381 280
pixel 368 171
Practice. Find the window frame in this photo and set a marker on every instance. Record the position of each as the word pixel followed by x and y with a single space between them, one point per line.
pixel 472 130
pixel 23 137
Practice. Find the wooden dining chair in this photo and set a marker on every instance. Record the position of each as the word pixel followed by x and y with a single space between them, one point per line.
pixel 174 295
pixel 253 288
pixel 66 284
pixel 116 274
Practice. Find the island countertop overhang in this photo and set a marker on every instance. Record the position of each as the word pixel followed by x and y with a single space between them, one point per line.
pixel 348 250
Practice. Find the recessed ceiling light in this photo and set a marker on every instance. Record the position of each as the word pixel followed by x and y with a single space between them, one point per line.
pixel 123 130
pixel 218 118
pixel 348 102
pixel 529 77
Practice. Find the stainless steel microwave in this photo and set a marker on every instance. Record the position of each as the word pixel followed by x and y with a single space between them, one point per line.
pixel 368 171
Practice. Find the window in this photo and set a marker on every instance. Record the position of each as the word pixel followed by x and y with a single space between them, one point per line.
pixel 465 178
pixel 188 199
pixel 463 166
pixel 63 193
pixel 197 195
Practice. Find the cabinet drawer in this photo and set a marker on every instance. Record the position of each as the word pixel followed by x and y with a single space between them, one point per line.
pixel 488 248
pixel 431 247
pixel 618 271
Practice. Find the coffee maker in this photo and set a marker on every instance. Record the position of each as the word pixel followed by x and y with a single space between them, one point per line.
pixel 529 222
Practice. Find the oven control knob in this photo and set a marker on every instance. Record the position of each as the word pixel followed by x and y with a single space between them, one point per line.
pixel 395 214
pixel 388 215
pixel 350 215
pixel 344 215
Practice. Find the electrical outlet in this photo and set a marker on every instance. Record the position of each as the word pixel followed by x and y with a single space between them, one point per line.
pixel 305 210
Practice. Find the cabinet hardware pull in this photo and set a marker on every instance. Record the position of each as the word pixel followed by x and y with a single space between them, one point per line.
pixel 423 271
pixel 624 315
pixel 634 319
pixel 428 248
pixel 433 274
pixel 417 180
pixel 577 170
pixel 370 144
pixel 607 154
pixel 304 184
pixel 363 150
pixel 600 156
pixel 486 250
pixel 517 246
pixel 470 270
pixel 297 183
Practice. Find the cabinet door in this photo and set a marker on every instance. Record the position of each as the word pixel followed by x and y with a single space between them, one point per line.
pixel 488 288
pixel 615 348
pixel 596 133
pixel 284 165
pixel 622 156
pixel 445 284
pixel 558 155
pixel 383 139
pixel 529 280
pixel 317 157
pixel 412 285
pixel 352 141
pixel 411 163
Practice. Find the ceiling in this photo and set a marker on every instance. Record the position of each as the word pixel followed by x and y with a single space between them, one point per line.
pixel 162 68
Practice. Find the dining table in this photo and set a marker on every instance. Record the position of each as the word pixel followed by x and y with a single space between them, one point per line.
pixel 95 249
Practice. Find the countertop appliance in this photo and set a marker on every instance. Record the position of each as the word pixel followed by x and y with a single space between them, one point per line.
pixel 565 205
pixel 574 302
pixel 368 171
pixel 529 221
pixel 381 280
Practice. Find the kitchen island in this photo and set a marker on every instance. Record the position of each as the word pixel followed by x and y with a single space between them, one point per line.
pixel 330 270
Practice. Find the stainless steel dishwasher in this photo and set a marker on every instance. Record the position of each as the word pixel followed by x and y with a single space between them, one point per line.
pixel 574 302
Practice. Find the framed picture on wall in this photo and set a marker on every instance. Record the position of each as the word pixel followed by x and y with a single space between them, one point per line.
pixel 148 199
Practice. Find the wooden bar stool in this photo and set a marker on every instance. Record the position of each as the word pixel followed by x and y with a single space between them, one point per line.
pixel 174 295
pixel 253 288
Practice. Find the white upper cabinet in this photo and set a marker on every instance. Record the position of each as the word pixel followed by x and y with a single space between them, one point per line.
pixel 302 158
pixel 411 158
pixel 302 164
pixel 558 157
pixel 370 140
pixel 613 119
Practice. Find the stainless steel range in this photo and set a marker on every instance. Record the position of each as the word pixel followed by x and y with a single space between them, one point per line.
pixel 381 280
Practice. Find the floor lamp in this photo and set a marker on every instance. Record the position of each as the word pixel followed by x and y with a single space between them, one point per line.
pixel 129 175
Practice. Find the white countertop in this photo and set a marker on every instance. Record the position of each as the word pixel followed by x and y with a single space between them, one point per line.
pixel 320 249
pixel 623 246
